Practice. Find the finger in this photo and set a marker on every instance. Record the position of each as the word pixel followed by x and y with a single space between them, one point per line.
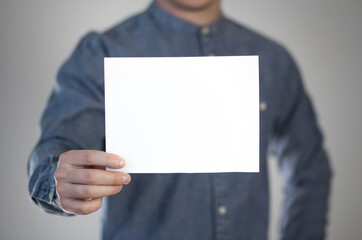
pixel 69 190
pixel 97 177
pixel 79 206
pixel 93 158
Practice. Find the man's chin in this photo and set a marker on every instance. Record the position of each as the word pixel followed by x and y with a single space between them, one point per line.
pixel 192 5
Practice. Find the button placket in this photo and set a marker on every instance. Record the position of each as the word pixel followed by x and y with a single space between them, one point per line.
pixel 221 209
pixel 206 33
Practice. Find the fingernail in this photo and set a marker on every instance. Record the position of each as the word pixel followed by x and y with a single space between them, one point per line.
pixel 125 179
pixel 120 163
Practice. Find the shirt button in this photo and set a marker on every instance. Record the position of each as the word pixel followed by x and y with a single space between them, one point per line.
pixel 211 54
pixel 263 106
pixel 222 210
pixel 205 30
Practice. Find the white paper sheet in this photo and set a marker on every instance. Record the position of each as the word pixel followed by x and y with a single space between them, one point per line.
pixel 183 114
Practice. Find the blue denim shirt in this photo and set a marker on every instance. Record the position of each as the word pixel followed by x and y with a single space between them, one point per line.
pixel 190 206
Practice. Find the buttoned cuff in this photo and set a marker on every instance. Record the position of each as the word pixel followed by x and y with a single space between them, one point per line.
pixel 42 187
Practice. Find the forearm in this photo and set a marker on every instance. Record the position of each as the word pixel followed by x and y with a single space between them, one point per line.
pixel 73 119
pixel 305 206
pixel 298 144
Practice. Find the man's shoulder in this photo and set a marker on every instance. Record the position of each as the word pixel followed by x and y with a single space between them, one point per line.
pixel 127 26
pixel 274 57
pixel 121 32
pixel 255 40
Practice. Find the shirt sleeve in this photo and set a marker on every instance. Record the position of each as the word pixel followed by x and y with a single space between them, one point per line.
pixel 298 145
pixel 73 119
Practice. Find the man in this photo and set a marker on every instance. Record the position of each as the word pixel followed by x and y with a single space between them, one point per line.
pixel 67 167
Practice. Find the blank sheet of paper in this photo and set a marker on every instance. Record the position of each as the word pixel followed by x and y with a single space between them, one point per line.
pixel 183 114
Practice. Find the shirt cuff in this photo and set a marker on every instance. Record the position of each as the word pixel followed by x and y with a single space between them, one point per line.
pixel 42 187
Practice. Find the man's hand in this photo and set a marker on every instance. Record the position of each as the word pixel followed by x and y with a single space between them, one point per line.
pixel 82 181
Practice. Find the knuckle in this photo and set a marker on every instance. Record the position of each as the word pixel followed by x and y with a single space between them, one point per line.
pixel 88 158
pixel 59 175
pixel 87 192
pixel 98 204
pixel 108 159
pixel 64 157
pixel 83 209
pixel 64 204
pixel 88 177
pixel 59 189
pixel 117 178
pixel 114 190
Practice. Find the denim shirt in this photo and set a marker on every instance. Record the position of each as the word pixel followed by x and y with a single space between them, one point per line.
pixel 190 206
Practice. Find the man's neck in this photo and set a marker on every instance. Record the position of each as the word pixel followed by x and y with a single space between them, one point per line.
pixel 201 16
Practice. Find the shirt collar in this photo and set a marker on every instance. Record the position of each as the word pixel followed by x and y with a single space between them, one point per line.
pixel 177 25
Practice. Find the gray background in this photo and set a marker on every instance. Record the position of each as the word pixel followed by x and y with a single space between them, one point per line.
pixel 36 36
